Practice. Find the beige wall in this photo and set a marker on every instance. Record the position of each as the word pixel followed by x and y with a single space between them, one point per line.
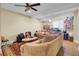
pixel 0 18
pixel 76 26
pixel 0 25
pixel 14 23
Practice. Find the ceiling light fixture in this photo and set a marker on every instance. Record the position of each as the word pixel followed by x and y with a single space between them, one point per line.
pixel 29 11
pixel 49 20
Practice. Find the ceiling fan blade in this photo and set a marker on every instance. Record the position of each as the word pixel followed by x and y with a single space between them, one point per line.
pixel 27 4
pixel 21 5
pixel 34 9
pixel 37 4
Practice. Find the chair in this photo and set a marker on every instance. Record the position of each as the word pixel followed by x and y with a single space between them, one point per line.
pixel 66 35
pixel 4 40
pixel 20 37
pixel 26 33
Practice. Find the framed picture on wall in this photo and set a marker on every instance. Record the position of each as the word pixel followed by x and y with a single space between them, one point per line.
pixel 68 23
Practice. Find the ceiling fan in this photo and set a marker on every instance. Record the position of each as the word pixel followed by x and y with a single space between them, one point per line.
pixel 29 6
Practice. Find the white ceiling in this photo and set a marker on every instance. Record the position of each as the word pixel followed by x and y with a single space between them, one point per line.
pixel 45 10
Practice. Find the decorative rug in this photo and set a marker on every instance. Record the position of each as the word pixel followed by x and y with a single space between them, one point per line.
pixel 6 50
pixel 12 49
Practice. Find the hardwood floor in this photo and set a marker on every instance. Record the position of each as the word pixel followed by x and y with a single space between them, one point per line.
pixel 69 49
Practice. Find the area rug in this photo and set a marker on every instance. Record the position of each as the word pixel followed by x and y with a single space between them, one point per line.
pixel 6 50
pixel 12 49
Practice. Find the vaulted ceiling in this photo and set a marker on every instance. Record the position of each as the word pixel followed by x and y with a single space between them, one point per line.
pixel 45 10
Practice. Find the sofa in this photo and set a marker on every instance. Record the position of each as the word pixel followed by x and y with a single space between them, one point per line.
pixel 43 48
